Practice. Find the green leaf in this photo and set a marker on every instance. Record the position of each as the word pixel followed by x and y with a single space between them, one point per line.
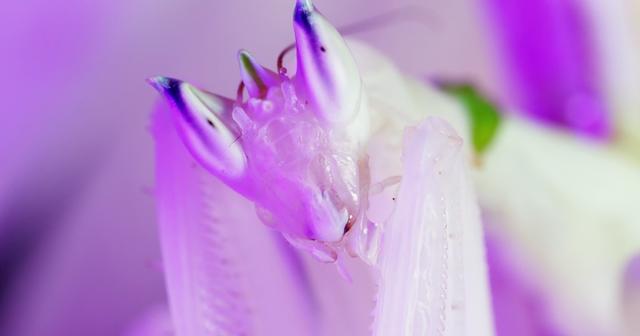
pixel 483 114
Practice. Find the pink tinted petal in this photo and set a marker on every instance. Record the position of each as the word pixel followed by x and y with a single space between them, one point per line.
pixel 432 271
pixel 631 296
pixel 154 322
pixel 520 305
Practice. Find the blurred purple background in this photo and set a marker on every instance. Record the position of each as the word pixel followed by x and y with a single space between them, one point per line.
pixel 78 244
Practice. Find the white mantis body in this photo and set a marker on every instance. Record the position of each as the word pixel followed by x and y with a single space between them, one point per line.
pixel 296 147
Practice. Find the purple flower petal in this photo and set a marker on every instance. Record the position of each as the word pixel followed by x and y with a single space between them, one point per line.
pixel 551 63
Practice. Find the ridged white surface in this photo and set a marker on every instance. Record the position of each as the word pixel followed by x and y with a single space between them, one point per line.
pixel 433 277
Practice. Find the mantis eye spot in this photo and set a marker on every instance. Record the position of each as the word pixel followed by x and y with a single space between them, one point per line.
pixel 350 221
pixel 323 49
pixel 211 123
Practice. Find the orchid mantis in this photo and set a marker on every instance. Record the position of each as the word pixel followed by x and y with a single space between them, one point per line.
pixel 320 158
pixel 296 147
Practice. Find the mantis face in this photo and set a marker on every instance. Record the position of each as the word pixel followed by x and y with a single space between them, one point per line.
pixel 294 147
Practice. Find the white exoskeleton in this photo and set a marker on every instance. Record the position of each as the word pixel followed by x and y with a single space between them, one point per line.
pixel 295 147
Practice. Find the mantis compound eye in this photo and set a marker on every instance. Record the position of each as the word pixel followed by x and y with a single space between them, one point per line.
pixel 204 123
pixel 326 66
pixel 256 78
